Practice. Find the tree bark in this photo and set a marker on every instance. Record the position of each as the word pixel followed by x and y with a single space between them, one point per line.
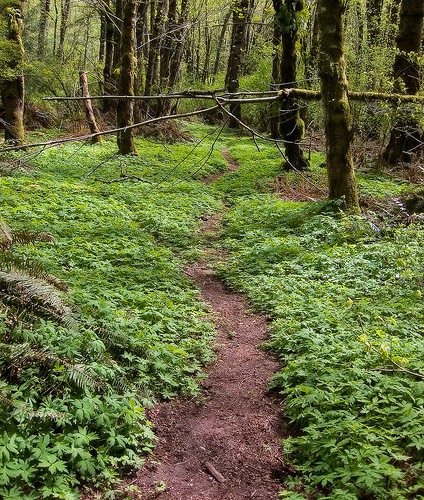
pixel 109 83
pixel 337 115
pixel 13 89
pixel 94 129
pixel 240 13
pixel 126 83
pixel 290 125
pixel 221 42
pixel 44 22
pixel 406 135
pixel 158 11
pixel 64 18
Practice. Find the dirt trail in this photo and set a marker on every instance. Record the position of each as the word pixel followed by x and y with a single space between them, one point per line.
pixel 226 444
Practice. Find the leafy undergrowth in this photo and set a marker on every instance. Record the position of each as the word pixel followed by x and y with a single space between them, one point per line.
pixel 73 393
pixel 345 296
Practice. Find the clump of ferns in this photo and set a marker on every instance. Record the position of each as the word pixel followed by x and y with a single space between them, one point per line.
pixel 29 296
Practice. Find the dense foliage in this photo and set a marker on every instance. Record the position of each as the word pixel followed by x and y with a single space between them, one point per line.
pixel 344 293
pixel 345 296
pixel 73 392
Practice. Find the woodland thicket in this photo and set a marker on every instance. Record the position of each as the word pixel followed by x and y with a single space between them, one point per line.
pixel 320 103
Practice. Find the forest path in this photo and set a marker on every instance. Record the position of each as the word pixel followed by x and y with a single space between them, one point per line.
pixel 225 444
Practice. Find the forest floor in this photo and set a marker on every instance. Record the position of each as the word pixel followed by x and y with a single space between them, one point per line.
pixel 226 442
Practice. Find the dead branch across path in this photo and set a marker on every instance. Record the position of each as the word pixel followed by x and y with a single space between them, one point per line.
pixel 260 97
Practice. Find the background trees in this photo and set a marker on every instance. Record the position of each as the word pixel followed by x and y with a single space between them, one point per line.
pixel 181 44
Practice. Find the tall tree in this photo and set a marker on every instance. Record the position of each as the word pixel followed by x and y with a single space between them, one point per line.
pixel 64 19
pixel 406 135
pixel 290 125
pixel 238 40
pixel 109 83
pixel 159 9
pixel 124 111
pixel 337 114
pixel 11 69
pixel 44 22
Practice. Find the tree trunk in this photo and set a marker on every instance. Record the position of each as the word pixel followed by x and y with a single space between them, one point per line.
pixel 221 42
pixel 240 13
pixel 180 35
pixel 117 33
pixel 406 135
pixel 109 84
pixel 102 41
pixel 290 125
pixel 154 51
pixel 94 129
pixel 66 8
pixel 126 82
pixel 207 44
pixel 13 90
pixel 337 115
pixel 44 22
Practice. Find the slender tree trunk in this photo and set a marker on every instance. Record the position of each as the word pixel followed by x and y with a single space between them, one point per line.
pixel 109 84
pixel 180 35
pixel 44 22
pixel 276 74
pixel 290 125
pixel 240 13
pixel 126 82
pixel 102 41
pixel 334 91
pixel 154 51
pixel 117 33
pixel 142 41
pixel 207 44
pixel 221 42
pixel 13 89
pixel 94 129
pixel 406 134
pixel 66 9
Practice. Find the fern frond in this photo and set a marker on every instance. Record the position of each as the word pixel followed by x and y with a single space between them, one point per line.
pixel 18 356
pixel 21 265
pixel 23 237
pixel 39 297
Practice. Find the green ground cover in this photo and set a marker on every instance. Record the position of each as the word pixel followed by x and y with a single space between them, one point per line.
pixel 345 297
pixel 73 399
pixel 344 293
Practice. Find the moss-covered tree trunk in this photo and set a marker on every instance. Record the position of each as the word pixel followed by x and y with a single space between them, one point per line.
pixel 406 135
pixel 235 58
pixel 124 111
pixel 12 79
pixel 290 125
pixel 337 114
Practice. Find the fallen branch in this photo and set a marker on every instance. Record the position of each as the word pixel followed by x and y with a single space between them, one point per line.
pixel 265 96
pixel 123 178
pixel 213 472
pixel 107 132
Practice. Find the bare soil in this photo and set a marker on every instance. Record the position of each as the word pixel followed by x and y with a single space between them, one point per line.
pixel 225 444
